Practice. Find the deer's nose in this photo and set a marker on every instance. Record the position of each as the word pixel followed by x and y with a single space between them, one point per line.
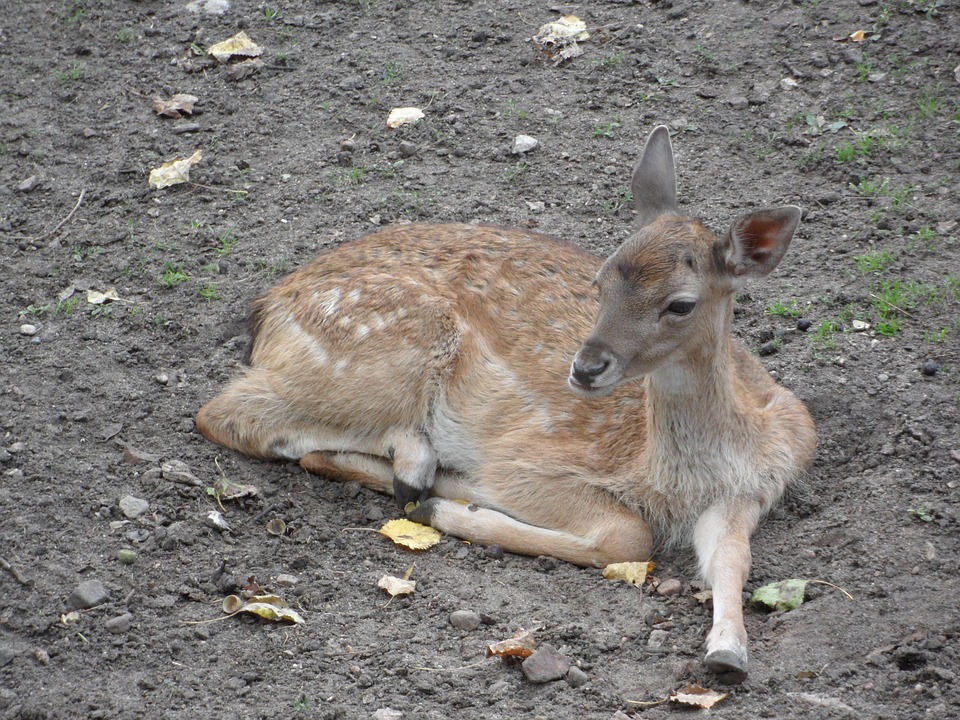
pixel 586 373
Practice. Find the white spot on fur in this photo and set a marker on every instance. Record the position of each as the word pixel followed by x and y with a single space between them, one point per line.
pixel 378 321
pixel 328 301
pixel 313 346
pixel 340 367
pixel 354 296
pixel 362 331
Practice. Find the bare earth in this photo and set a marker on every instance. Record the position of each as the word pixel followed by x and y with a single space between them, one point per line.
pixel 768 103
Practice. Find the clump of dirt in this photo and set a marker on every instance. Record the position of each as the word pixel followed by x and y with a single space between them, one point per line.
pixel 768 105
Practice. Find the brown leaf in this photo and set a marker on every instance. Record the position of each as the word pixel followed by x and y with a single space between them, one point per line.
pixel 697 696
pixel 244 69
pixel 177 106
pixel 522 645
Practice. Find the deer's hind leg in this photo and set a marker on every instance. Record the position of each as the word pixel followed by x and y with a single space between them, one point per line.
pixel 250 416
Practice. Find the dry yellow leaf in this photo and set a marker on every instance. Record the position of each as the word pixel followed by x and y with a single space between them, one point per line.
pixel 404 116
pixel 177 106
pixel 240 45
pixel 634 573
pixel 858 36
pixel 173 172
pixel 410 534
pixel 397 586
pixel 697 696
pixel 94 297
pixel 269 607
pixel 522 644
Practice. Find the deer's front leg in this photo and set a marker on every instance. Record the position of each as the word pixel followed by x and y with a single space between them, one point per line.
pixel 722 542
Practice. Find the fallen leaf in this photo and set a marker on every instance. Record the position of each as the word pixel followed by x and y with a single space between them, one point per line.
pixel 858 36
pixel 783 595
pixel 404 116
pixel 240 45
pixel 697 696
pixel 397 586
pixel 177 106
pixel 558 39
pixel 240 70
pixel 410 534
pixel 276 526
pixel 522 645
pixel 634 573
pixel 230 490
pixel 95 297
pixel 269 607
pixel 173 172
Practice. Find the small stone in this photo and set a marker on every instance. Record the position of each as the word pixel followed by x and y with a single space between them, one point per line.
pixel 738 102
pixel 577 677
pixel 7 654
pixel 494 552
pixel 89 132
pixel 669 587
pixel 387 713
pixel 42 656
pixel 768 348
pixel 803 324
pixel 407 149
pixel 29 185
pixel 178 472
pixel 466 620
pixel 136 456
pixel 217 521
pixel 929 368
pixel 348 145
pixel 524 144
pixel 287 581
pixel 133 507
pixel 657 639
pixel 162 378
pixel 883 377
pixel 120 624
pixel 28 330
pixel 88 594
pixel 545 665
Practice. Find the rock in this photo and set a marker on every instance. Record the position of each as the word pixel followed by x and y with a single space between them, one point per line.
pixel 133 507
pixel 7 654
pixel 494 552
pixel 119 625
pixel 789 84
pixel 577 677
pixel 407 149
pixel 738 102
pixel 285 580
pixel 136 456
pixel 28 330
pixel 178 472
pixel 669 587
pixel 387 713
pixel 657 639
pixel 217 521
pixel 88 594
pixel 803 324
pixel 545 665
pixel 29 185
pixel 524 144
pixel 465 620
pixel 929 368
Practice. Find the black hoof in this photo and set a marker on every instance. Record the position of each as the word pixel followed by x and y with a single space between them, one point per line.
pixel 405 493
pixel 423 513
pixel 730 668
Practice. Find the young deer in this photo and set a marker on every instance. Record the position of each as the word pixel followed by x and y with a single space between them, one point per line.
pixel 433 363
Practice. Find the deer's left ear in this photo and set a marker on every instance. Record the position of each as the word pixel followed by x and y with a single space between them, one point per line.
pixel 757 241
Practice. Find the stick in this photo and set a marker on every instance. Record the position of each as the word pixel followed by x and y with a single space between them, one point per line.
pixel 53 232
pixel 13 571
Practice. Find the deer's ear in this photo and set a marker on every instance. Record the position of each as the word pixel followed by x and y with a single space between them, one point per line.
pixel 757 241
pixel 654 184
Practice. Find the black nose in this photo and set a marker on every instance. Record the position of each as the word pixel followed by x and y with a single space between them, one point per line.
pixel 585 375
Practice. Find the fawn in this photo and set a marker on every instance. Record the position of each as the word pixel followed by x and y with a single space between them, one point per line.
pixel 530 395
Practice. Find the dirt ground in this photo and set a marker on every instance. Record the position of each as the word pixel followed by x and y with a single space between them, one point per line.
pixel 768 103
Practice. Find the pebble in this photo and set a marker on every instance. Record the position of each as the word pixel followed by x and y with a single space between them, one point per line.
pixel 524 144
pixel 407 149
pixel 545 665
pixel 465 620
pixel 120 624
pixel 494 552
pixel 28 330
pixel 803 324
pixel 88 594
pixel 577 677
pixel 669 587
pixel 7 654
pixel 133 507
pixel 30 184
pixel 178 472
pixel 929 368
pixel 657 639
pixel 387 713
pixel 136 456
pixel 768 348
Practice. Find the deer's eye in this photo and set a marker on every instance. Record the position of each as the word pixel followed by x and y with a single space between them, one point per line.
pixel 681 307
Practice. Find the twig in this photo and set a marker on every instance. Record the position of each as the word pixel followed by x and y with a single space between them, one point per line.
pixel 53 232
pixel 887 302
pixel 456 669
pixel 13 571
pixel 647 703
pixel 824 582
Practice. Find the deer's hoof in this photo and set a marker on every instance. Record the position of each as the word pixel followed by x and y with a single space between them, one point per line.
pixel 730 667
pixel 423 513
pixel 405 493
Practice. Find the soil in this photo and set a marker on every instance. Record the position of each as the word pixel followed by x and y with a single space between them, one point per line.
pixel 768 104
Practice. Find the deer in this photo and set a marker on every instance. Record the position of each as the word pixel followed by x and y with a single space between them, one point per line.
pixel 512 389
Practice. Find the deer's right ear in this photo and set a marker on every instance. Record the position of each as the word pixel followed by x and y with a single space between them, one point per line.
pixel 654 184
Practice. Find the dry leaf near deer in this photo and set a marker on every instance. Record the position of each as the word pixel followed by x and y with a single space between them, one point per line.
pixel 524 393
